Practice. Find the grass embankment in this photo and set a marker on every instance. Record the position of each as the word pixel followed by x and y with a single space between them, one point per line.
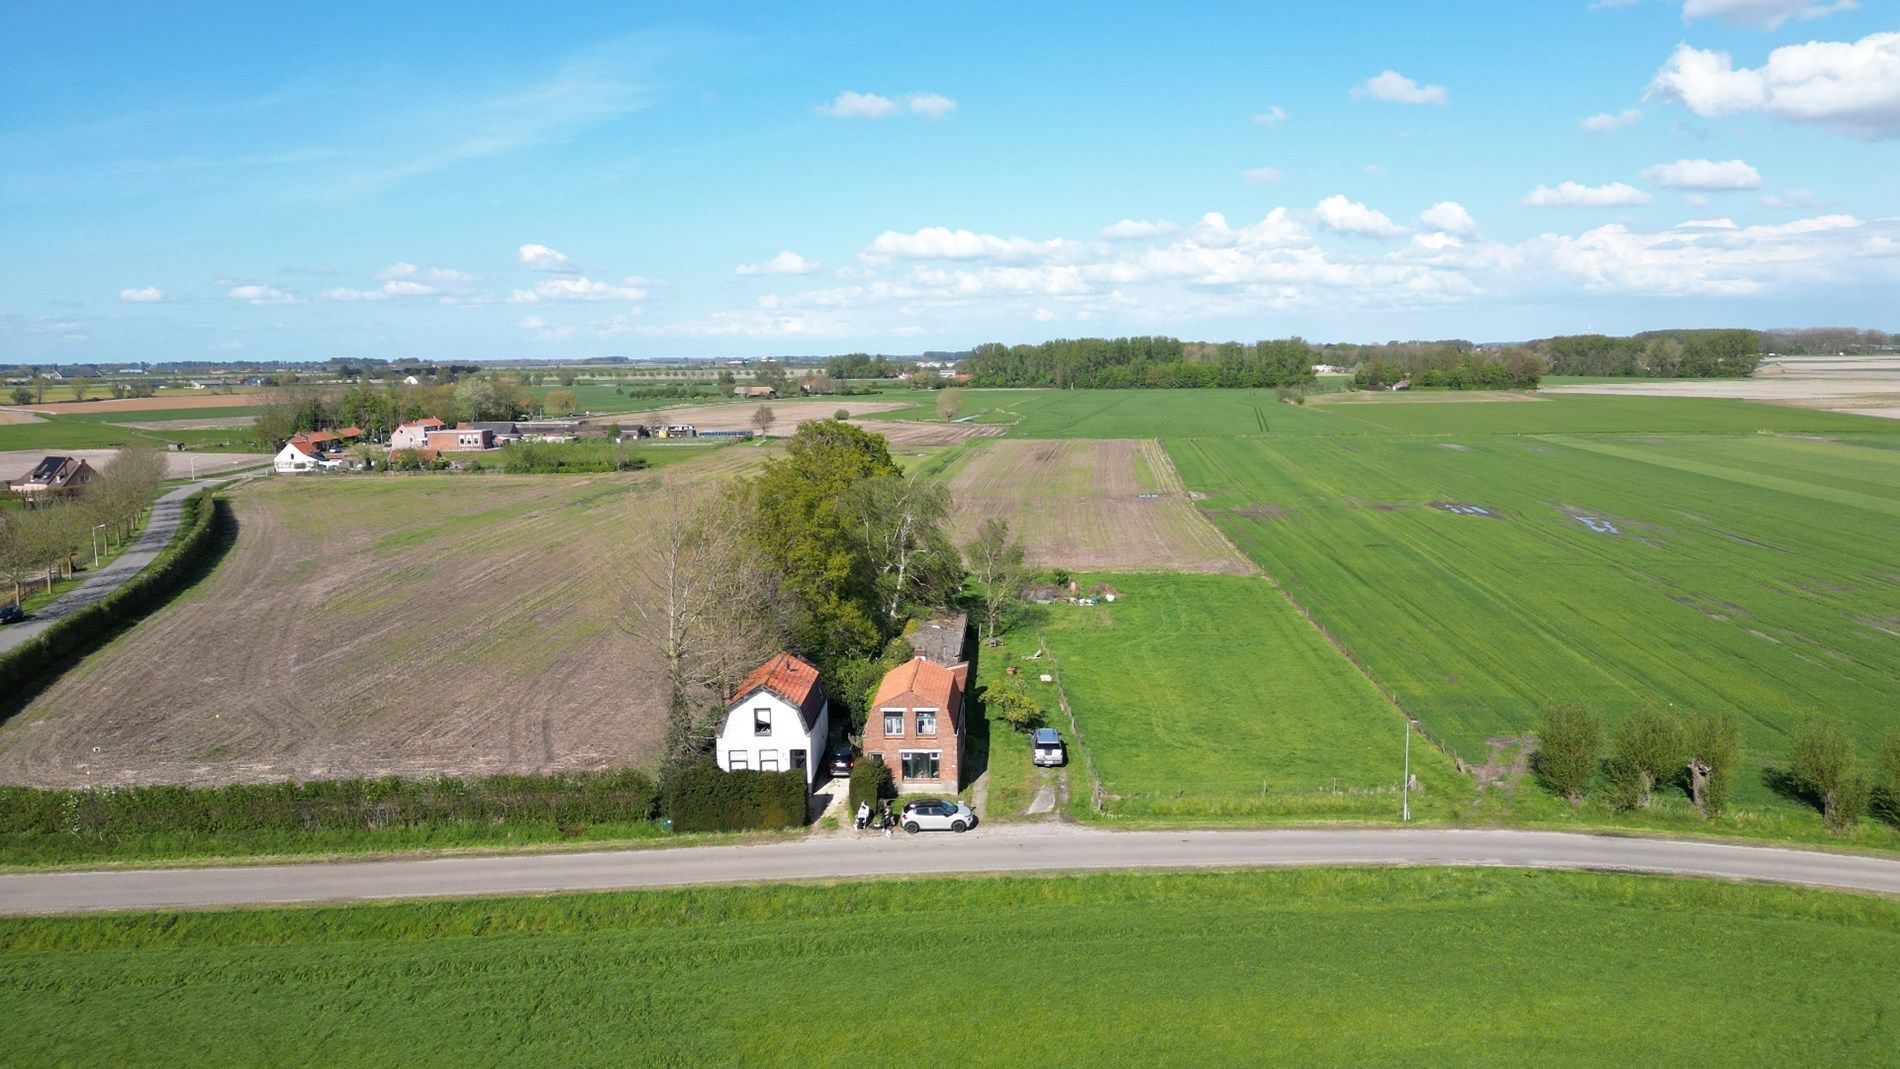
pixel 1208 697
pixel 1329 966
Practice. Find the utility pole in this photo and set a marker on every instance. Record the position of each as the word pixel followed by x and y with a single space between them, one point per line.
pixel 1405 788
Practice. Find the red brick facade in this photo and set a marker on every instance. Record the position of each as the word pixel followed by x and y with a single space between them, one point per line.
pixel 915 726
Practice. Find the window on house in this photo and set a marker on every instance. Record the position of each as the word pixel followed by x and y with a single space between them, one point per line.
pixel 893 722
pixel 768 760
pixel 926 721
pixel 736 761
pixel 921 764
pixel 798 758
pixel 761 721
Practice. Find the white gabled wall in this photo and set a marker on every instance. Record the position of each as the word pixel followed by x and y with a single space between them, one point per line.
pixel 788 734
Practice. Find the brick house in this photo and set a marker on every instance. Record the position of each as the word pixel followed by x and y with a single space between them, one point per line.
pixel 916 725
pixel 54 475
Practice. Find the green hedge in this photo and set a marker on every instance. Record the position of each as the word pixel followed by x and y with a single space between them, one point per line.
pixel 558 458
pixel 73 824
pixel 870 782
pixel 28 668
pixel 703 798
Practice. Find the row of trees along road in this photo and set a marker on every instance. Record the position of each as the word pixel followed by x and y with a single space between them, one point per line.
pixel 1126 363
pixel 1651 749
pixel 379 410
pixel 1666 354
pixel 827 552
pixel 49 536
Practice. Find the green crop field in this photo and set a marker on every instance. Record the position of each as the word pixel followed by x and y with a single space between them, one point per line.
pixel 1208 695
pixel 1337 967
pixel 1757 574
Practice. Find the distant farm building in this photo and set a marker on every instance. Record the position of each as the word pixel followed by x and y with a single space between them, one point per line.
pixel 54 475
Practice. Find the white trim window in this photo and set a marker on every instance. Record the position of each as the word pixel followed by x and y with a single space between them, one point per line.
pixel 762 720
pixel 920 764
pixel 893 723
pixel 768 760
pixel 736 761
pixel 926 721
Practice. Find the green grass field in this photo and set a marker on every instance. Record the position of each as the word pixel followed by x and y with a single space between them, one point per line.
pixel 1757 574
pixel 1340 967
pixel 1209 695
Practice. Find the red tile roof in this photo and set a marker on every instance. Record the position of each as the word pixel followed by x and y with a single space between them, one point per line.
pixel 789 678
pixel 929 684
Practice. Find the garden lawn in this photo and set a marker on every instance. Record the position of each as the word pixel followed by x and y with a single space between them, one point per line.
pixel 1758 575
pixel 1336 967
pixel 1211 696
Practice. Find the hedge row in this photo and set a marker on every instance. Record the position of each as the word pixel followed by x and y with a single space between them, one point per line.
pixel 28 667
pixel 103 813
pixel 702 798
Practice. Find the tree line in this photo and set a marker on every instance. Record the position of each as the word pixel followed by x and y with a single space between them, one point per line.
pixel 1129 363
pixel 1652 749
pixel 1663 354
pixel 379 410
pixel 44 539
pixel 1446 365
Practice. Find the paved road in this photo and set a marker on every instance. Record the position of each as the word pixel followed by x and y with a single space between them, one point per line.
pixel 158 532
pixel 1038 848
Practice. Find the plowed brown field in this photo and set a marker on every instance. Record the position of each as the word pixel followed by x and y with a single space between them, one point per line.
pixel 370 626
pixel 1089 505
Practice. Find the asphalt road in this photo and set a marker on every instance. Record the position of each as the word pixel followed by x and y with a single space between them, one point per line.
pixel 158 532
pixel 1040 848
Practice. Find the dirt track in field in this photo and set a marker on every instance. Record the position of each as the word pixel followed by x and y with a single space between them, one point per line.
pixel 410 625
pixel 150 404
pixel 1078 504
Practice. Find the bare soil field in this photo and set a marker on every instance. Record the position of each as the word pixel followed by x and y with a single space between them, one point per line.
pixel 149 404
pixel 737 415
pixel 214 424
pixel 427 624
pixel 917 433
pixel 16 462
pixel 18 415
pixel 1861 385
pixel 1355 397
pixel 1089 505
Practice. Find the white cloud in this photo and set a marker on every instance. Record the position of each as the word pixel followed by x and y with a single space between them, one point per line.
pixel 542 258
pixel 1764 14
pixel 1261 175
pixel 785 263
pixel 1373 170
pixel 142 295
pixel 1351 217
pixel 580 289
pixel 532 322
pixel 1044 315
pixel 256 293
pixel 1852 87
pixel 1709 176
pixel 942 243
pixel 1607 122
pixel 854 105
pixel 344 293
pixel 1793 200
pixel 1576 195
pixel 1273 116
pixel 1137 229
pixel 1395 88
pixel 1724 223
pixel 1449 217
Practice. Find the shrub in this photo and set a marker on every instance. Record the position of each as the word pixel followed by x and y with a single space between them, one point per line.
pixel 409 460
pixel 1646 748
pixel 870 782
pixel 1715 746
pixel 1822 758
pixel 1887 776
pixel 558 458
pixel 1569 738
pixel 700 797
pixel 842 414
pixel 1010 703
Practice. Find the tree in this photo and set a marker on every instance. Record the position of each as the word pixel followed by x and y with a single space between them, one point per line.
pixel 900 522
pixel 1569 739
pixel 762 419
pixel 949 404
pixel 1821 756
pixel 1011 704
pixel 1646 746
pixel 842 414
pixel 702 597
pixel 800 517
pixel 563 403
pixel 1887 775
pixel 1714 742
pixel 22 395
pixel 997 565
pixel 81 386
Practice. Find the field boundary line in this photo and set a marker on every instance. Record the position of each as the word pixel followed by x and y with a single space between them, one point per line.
pixel 1097 792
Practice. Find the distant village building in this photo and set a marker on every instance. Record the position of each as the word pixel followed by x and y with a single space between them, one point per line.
pixel 765 393
pixel 310 451
pixel 415 435
pixel 54 475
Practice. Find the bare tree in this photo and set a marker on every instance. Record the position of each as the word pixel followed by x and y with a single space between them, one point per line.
pixel 762 418
pixel 949 403
pixel 900 520
pixel 997 564
pixel 699 595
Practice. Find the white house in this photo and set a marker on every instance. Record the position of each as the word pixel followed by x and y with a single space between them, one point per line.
pixel 415 435
pixel 309 451
pixel 778 720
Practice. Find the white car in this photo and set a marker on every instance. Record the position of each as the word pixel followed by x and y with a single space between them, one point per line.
pixel 937 816
pixel 1046 749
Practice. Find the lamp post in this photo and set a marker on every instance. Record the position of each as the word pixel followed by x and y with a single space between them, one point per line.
pixel 96 528
pixel 1405 788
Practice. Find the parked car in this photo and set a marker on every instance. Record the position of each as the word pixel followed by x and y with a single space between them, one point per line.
pixel 937 816
pixel 839 761
pixel 11 614
pixel 1047 748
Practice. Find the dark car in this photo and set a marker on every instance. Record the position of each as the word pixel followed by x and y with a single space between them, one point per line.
pixel 839 761
pixel 11 614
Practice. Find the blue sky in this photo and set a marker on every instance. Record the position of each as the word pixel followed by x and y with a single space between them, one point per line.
pixel 442 180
